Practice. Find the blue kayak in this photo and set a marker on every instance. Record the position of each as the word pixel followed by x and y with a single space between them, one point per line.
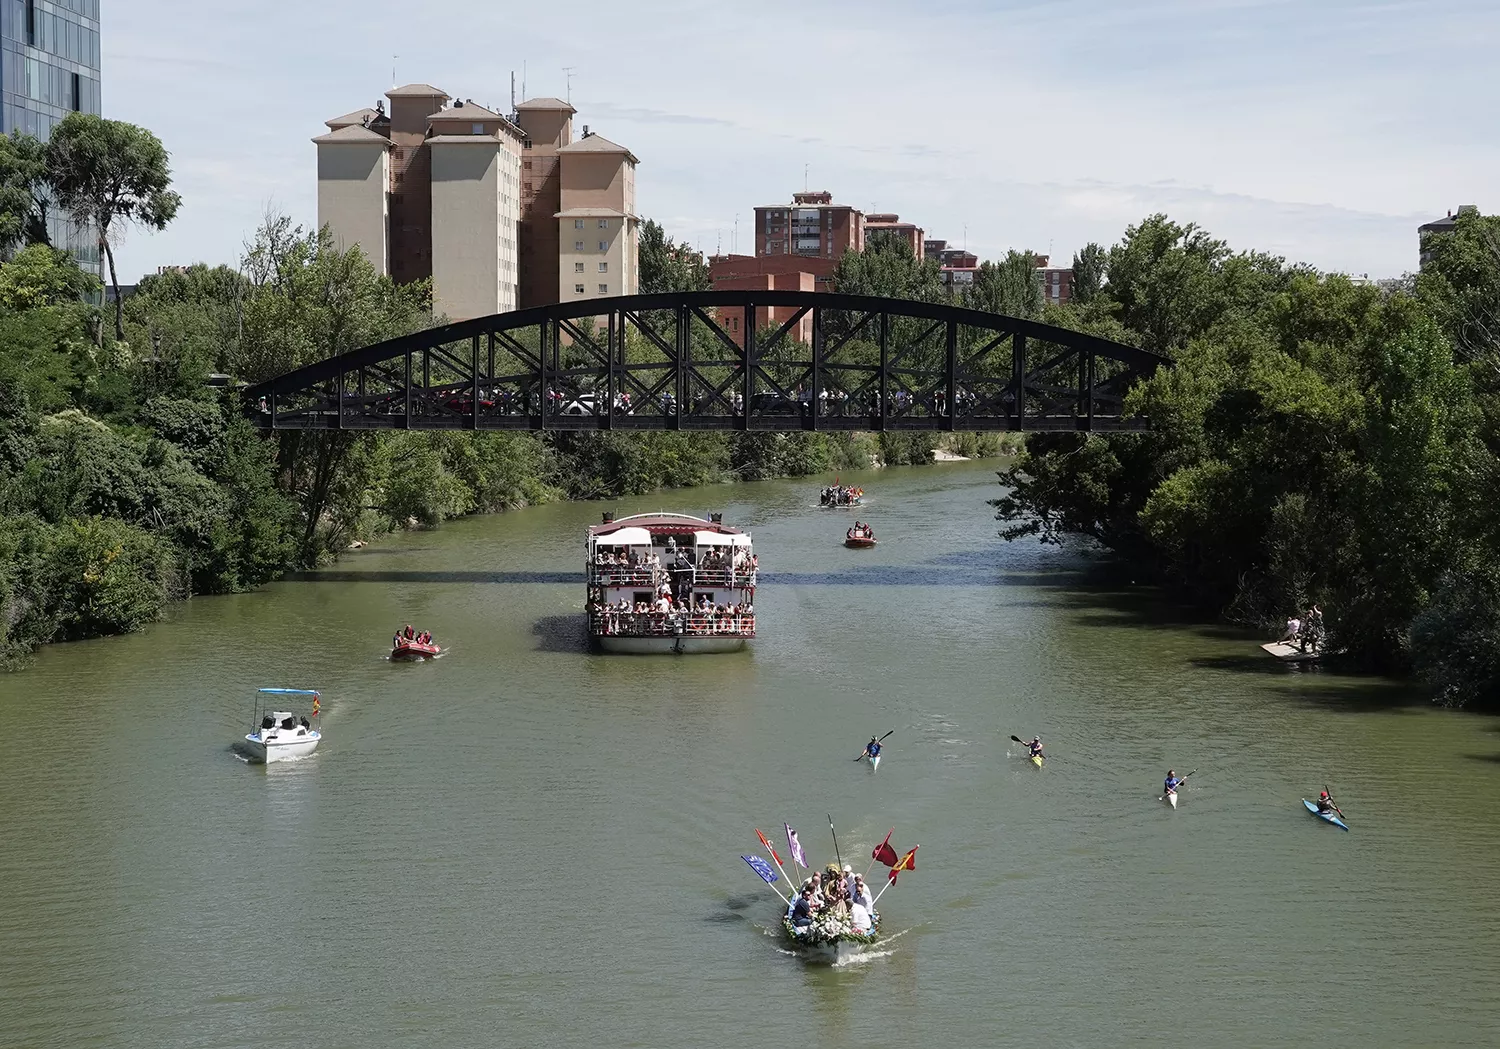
pixel 1331 817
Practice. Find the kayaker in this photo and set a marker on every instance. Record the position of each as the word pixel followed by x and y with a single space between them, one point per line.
pixel 1035 746
pixel 872 748
pixel 1172 783
pixel 1325 803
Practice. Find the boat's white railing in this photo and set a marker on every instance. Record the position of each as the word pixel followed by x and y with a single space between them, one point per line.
pixel 670 624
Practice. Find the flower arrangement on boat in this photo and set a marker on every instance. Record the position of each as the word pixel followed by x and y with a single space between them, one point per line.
pixel 831 914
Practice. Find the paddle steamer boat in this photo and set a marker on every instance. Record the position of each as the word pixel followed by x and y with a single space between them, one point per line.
pixel 670 583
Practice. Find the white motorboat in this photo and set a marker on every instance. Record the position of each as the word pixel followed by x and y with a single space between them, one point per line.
pixel 281 735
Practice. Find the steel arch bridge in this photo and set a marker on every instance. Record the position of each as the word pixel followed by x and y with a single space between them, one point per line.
pixel 719 360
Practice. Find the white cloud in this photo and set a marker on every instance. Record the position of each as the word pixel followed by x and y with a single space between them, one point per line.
pixel 1325 132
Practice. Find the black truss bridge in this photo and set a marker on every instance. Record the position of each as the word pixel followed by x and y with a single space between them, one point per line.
pixel 720 360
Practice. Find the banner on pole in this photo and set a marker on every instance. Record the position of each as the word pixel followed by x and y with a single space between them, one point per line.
pixel 761 867
pixel 908 863
pixel 884 853
pixel 795 845
pixel 769 847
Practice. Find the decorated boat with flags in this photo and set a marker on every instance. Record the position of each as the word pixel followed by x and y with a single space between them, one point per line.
pixel 830 916
pixel 670 583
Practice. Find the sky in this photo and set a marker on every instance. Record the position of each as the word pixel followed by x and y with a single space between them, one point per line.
pixel 1325 131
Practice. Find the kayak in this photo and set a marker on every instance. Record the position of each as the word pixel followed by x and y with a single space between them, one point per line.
pixel 1331 817
pixel 1037 759
pixel 1172 799
pixel 874 762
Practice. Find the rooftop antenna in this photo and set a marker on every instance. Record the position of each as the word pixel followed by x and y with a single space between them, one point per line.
pixel 393 69
pixel 734 242
pixel 568 74
pixel 804 178
pixel 512 90
pixel 523 81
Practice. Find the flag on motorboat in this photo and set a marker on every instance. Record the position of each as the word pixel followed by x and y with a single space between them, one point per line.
pixel 761 867
pixel 315 705
pixel 795 845
pixel 768 845
pixel 908 863
pixel 884 853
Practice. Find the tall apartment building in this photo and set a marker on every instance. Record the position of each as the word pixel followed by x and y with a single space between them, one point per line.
pixel 453 191
pixel 49 55
pixel 813 228
pixel 597 227
pixel 1056 281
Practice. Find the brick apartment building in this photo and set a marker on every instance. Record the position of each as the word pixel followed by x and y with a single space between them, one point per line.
pixel 480 203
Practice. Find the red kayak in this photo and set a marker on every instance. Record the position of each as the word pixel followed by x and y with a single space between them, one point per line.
pixel 414 650
pixel 859 542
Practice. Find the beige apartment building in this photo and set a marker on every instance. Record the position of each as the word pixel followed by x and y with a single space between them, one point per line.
pixel 597 227
pixel 480 203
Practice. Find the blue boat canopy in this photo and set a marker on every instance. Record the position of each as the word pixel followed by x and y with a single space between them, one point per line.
pixel 291 691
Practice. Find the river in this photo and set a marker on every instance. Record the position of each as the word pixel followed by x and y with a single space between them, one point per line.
pixel 522 844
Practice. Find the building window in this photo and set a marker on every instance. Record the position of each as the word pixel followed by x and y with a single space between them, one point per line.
pixel 577 267
pixel 578 245
pixel 604 223
pixel 476 129
pixel 526 164
pixel 578 223
pixel 603 267
pixel 604 289
pixel 604 245
pixel 578 289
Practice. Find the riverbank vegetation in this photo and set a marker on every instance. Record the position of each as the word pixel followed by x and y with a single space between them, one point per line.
pixel 1320 440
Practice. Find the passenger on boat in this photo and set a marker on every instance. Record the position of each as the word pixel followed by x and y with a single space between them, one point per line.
pixel 848 882
pixel 802 910
pixel 1035 746
pixel 1173 781
pixel 862 893
pixel 859 918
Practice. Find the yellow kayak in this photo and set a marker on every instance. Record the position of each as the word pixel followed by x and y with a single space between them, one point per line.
pixel 1037 759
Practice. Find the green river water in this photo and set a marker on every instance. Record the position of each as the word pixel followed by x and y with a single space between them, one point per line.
pixel 524 844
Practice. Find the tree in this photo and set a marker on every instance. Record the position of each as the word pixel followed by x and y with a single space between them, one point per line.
pixel 109 174
pixel 23 193
pixel 1089 267
pixel 668 266
pixel 888 267
pixel 1011 287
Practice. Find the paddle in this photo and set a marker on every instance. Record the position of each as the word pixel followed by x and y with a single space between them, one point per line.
pixel 882 739
pixel 1335 807
pixel 1181 782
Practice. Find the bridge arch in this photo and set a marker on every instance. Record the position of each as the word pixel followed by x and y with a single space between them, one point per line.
pixel 720 360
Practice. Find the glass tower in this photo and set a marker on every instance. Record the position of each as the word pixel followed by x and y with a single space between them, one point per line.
pixel 49 67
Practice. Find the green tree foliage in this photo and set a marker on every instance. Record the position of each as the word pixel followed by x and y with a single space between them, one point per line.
pixel 1011 287
pixel 1316 442
pixel 108 175
pixel 1090 264
pixel 23 193
pixel 668 266
pixel 888 267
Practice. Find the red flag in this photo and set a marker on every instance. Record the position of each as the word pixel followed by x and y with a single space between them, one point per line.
pixel 908 863
pixel 884 853
pixel 767 844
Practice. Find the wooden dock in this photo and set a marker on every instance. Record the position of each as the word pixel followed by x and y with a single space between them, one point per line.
pixel 1291 653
